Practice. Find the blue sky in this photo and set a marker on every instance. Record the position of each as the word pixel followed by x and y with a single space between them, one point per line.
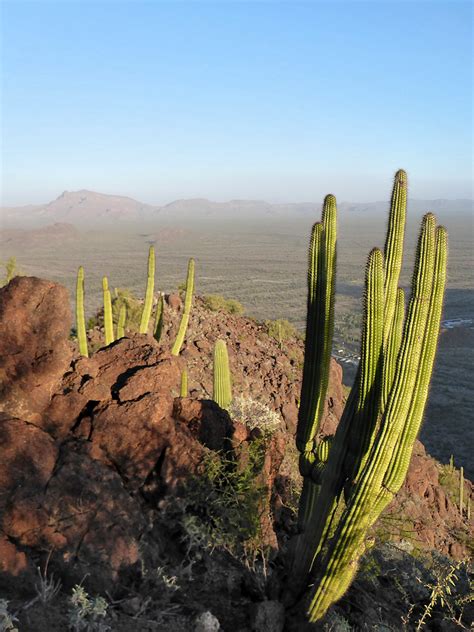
pixel 282 101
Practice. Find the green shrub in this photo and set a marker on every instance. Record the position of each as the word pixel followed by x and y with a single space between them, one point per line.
pixel 215 303
pixel 134 307
pixel 280 329
pixel 221 507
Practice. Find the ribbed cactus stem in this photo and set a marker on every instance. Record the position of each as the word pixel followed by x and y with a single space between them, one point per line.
pixel 108 321
pixel 183 391
pixel 370 452
pixel 150 286
pixel 187 310
pixel 121 321
pixel 222 391
pixel 80 316
pixel 159 318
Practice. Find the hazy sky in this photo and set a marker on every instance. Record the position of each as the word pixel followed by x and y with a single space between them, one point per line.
pixel 282 101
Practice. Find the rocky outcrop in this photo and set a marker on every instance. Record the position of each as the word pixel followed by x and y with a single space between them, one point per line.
pixel 35 321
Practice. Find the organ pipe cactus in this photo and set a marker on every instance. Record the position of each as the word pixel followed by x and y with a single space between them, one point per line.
pixel 222 392
pixel 183 391
pixel 159 316
pixel 108 322
pixel 150 285
pixel 368 459
pixel 80 317
pixel 121 321
pixel 187 310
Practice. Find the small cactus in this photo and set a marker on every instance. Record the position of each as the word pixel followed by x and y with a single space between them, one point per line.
pixel 183 391
pixel 222 392
pixel 187 310
pixel 80 317
pixel 150 285
pixel 461 490
pixel 108 321
pixel 159 316
pixel 121 321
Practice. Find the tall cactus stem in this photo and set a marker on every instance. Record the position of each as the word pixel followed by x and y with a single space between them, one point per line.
pixel 80 316
pixel 187 310
pixel 150 286
pixel 159 318
pixel 222 391
pixel 108 321
pixel 121 321
pixel 461 490
pixel 183 391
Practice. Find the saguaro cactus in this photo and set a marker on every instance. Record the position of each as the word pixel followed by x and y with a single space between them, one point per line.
pixel 150 286
pixel 80 317
pixel 222 392
pixel 108 321
pixel 370 453
pixel 183 325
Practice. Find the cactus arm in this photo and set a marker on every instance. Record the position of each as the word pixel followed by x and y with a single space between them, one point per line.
pixel 222 391
pixel 159 316
pixel 393 256
pixel 393 346
pixel 183 391
pixel 183 325
pixel 108 322
pixel 150 285
pixel 396 473
pixel 121 321
pixel 80 316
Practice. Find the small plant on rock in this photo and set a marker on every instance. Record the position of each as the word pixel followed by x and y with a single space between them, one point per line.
pixel 215 303
pixel 87 613
pixel 255 414
pixel 6 619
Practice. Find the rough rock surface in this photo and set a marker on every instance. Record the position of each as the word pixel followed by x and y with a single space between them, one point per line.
pixel 35 321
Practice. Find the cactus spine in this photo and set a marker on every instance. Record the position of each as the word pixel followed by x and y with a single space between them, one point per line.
pixel 80 316
pixel 108 322
pixel 222 392
pixel 121 321
pixel 159 316
pixel 183 391
pixel 150 285
pixel 183 325
pixel 370 453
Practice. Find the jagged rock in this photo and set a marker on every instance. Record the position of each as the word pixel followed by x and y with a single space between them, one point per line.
pixel 267 616
pixel 206 622
pixel 35 321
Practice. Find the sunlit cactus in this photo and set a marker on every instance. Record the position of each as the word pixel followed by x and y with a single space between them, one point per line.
pixel 178 343
pixel 222 391
pixel 80 316
pixel 121 321
pixel 368 458
pixel 159 318
pixel 150 286
pixel 183 390
pixel 108 321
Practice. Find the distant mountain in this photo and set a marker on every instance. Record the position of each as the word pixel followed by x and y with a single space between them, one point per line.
pixel 48 234
pixel 86 207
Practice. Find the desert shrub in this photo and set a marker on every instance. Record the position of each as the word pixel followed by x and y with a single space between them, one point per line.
pixel 254 414
pixel 221 507
pixel 280 329
pixel 216 303
pixel 6 619
pixel 87 613
pixel 120 296
pixel 11 271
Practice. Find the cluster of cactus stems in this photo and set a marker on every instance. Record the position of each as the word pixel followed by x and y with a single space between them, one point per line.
pixel 188 300
pixel 350 478
pixel 146 313
pixel 222 386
